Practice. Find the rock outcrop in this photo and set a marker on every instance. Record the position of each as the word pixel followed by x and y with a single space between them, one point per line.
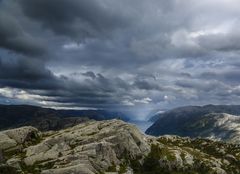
pixel 112 147
pixel 17 138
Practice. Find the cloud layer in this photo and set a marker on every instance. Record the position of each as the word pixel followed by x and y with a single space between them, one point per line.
pixel 137 55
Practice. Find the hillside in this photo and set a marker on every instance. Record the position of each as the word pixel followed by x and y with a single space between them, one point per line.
pixel 216 126
pixel 196 111
pixel 115 147
pixel 12 116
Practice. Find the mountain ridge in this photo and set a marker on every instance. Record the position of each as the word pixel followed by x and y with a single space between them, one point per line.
pixel 12 116
pixel 210 108
pixel 199 122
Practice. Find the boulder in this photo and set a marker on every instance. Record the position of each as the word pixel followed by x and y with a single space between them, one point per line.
pixel 20 136
pixel 6 142
pixel 23 134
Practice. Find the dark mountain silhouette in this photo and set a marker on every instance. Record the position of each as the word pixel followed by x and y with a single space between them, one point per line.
pixel 12 116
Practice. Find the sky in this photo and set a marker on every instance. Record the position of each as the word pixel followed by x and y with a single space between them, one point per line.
pixel 136 55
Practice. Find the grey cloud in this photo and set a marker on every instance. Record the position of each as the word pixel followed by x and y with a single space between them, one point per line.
pixel 145 85
pixel 89 74
pixel 23 69
pixel 121 51
pixel 12 37
pixel 221 42
pixel 33 77
pixel 230 76
pixel 73 18
pixel 26 74
pixel 206 86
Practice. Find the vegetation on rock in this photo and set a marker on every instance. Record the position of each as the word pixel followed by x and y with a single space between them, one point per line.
pixel 115 146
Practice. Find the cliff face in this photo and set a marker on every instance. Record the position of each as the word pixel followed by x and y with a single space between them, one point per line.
pixel 196 111
pixel 216 126
pixel 112 147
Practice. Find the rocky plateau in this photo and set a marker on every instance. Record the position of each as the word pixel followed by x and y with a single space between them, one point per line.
pixel 112 147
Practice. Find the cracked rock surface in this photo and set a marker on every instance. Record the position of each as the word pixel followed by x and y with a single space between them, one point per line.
pixel 111 147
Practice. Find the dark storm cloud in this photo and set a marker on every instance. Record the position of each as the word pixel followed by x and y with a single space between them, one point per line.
pixel 73 18
pixel 109 53
pixel 35 79
pixel 89 74
pixel 199 86
pixel 230 76
pixel 99 92
pixel 23 69
pixel 12 37
pixel 26 74
pixel 145 85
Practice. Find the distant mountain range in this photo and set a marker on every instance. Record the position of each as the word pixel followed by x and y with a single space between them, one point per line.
pixel 220 122
pixel 12 116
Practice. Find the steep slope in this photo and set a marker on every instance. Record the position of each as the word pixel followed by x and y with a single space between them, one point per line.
pixel 196 111
pixel 195 123
pixel 217 126
pixel 12 116
pixel 112 147
pixel 223 126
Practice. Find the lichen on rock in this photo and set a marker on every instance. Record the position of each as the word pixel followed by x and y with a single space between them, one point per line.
pixel 97 147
